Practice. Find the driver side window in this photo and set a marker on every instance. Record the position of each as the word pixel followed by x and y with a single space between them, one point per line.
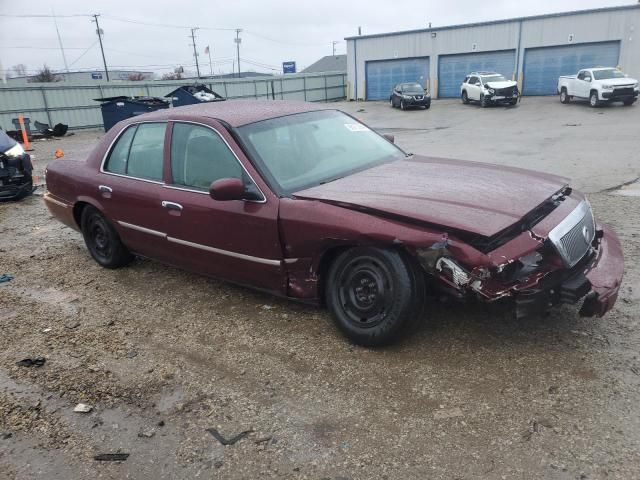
pixel 473 80
pixel 581 75
pixel 199 156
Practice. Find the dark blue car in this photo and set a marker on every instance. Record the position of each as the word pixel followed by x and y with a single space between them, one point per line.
pixel 15 169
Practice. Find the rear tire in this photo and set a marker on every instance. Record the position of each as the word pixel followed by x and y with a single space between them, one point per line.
pixel 102 240
pixel 374 295
pixel 593 99
pixel 465 97
pixel 564 96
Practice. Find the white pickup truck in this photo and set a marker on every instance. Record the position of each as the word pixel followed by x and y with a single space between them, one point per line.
pixel 598 85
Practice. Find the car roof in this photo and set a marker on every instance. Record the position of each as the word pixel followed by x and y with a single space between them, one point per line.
pixel 234 112
pixel 485 73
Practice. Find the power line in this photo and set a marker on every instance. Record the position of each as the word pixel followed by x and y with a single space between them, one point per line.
pixel 162 25
pixel 82 55
pixel 29 15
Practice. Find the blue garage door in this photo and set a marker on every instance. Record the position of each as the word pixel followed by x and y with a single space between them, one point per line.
pixel 543 66
pixel 453 68
pixel 383 75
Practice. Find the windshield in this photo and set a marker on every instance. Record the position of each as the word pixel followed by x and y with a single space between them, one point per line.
pixel 308 149
pixel 412 88
pixel 609 73
pixel 494 78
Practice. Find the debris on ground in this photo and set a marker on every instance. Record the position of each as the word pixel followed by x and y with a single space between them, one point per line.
pixel 72 324
pixel 231 441
pixel 263 440
pixel 111 457
pixel 32 362
pixel 443 414
pixel 146 433
pixel 132 354
pixel 6 435
pixel 5 277
pixel 82 408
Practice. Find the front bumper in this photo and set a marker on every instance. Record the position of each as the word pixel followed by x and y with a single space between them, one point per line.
pixel 425 102
pixel 597 282
pixel 15 187
pixel 503 99
pixel 619 96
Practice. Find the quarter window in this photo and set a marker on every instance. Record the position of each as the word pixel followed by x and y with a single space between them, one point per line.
pixel 199 156
pixel 139 152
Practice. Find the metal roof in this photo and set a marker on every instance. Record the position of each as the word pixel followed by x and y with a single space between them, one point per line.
pixel 494 22
pixel 234 112
pixel 330 63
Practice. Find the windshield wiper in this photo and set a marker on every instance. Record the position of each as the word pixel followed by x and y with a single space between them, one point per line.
pixel 331 180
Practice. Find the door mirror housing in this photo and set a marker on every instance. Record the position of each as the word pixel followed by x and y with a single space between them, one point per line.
pixel 587 79
pixel 226 189
pixel 478 84
pixel 390 138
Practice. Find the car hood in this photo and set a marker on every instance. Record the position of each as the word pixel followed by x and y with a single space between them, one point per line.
pixel 467 196
pixel 619 81
pixel 505 84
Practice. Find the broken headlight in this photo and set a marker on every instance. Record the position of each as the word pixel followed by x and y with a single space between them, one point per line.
pixel 15 151
pixel 520 268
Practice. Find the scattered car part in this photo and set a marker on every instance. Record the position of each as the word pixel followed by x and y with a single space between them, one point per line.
pixel 6 277
pixel 32 362
pixel 111 457
pixel 230 441
pixel 82 408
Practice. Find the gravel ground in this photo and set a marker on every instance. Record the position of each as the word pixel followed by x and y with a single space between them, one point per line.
pixel 163 355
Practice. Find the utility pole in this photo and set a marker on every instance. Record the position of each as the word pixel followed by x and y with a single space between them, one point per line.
pixel 195 51
pixel 100 32
pixel 237 40
pixel 333 44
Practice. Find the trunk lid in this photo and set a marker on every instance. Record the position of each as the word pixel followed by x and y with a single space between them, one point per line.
pixel 470 196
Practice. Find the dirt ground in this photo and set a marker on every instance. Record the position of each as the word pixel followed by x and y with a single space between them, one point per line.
pixel 163 355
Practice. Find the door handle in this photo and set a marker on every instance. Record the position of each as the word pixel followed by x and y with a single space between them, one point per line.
pixel 171 205
pixel 105 189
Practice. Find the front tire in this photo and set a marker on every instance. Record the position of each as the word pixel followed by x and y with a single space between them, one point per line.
pixel 374 295
pixel 402 105
pixel 465 97
pixel 391 102
pixel 593 99
pixel 483 101
pixel 628 103
pixel 102 240
pixel 564 96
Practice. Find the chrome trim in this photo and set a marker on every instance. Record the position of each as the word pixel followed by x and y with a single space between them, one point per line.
pixel 173 187
pixel 47 198
pixel 575 217
pixel 290 260
pixel 264 197
pixel 171 205
pixel 142 229
pixel 104 188
pixel 241 256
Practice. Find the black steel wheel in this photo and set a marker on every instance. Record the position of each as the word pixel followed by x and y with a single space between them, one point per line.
pixel 374 294
pixel 102 240
pixel 465 97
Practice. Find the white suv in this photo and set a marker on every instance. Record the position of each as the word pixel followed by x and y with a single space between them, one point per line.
pixel 489 88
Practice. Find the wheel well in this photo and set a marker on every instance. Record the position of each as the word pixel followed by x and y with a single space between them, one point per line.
pixel 563 89
pixel 77 212
pixel 593 90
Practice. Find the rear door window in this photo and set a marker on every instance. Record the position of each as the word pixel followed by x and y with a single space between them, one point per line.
pixel 146 152
pixel 117 161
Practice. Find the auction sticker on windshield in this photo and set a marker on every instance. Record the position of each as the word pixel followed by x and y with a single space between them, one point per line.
pixel 356 127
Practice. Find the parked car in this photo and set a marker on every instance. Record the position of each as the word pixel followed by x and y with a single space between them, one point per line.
pixel 598 85
pixel 409 95
pixel 304 201
pixel 489 88
pixel 15 169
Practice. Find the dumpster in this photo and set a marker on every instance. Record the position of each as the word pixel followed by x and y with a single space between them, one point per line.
pixel 192 94
pixel 115 109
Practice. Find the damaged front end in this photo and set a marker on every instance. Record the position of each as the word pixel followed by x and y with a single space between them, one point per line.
pixel 576 259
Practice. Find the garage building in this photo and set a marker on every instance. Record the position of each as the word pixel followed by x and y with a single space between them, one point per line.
pixel 533 50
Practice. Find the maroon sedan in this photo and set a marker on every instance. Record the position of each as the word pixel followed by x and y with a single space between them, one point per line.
pixel 304 201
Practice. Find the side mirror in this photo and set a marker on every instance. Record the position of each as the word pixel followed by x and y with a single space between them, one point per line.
pixel 389 137
pixel 587 79
pixel 227 189
pixel 478 84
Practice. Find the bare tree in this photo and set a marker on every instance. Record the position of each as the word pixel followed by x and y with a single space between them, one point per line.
pixel 137 77
pixel 45 75
pixel 19 70
pixel 172 76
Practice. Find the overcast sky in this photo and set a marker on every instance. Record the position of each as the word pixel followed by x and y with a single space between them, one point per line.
pixel 274 31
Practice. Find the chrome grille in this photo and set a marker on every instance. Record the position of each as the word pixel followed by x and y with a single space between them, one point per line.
pixel 573 236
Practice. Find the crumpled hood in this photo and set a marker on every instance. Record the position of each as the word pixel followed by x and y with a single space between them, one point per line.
pixel 498 85
pixel 470 196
